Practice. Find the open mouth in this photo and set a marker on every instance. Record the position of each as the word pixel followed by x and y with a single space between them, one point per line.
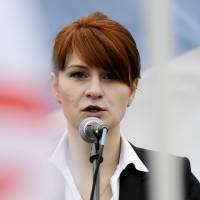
pixel 93 109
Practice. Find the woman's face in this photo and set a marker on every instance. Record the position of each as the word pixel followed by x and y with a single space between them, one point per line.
pixel 85 91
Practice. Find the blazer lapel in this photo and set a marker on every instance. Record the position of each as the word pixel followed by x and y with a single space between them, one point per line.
pixel 133 184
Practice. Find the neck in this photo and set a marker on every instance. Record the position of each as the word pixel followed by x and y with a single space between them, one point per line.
pixel 79 151
pixel 78 156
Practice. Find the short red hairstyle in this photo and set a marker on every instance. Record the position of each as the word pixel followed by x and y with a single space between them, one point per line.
pixel 99 42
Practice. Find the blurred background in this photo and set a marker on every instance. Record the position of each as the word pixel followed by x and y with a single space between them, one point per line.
pixel 165 114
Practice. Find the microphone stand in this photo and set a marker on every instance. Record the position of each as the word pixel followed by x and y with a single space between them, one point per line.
pixel 96 159
pixel 94 155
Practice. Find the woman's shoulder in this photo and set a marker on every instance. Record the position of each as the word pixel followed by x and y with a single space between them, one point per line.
pixel 178 163
pixel 148 155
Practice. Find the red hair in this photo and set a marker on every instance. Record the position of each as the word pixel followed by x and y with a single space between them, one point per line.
pixel 99 42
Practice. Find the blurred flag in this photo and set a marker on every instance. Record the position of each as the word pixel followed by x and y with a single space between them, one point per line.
pixel 23 101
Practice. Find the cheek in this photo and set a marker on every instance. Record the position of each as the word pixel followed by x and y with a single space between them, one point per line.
pixel 68 97
pixel 118 101
pixel 71 98
pixel 65 90
pixel 122 98
pixel 69 104
pixel 118 105
pixel 123 101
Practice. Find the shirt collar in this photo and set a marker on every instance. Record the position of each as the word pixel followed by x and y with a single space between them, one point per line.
pixel 59 158
pixel 127 155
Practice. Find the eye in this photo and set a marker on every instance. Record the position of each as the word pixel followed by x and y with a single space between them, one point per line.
pixel 110 76
pixel 78 74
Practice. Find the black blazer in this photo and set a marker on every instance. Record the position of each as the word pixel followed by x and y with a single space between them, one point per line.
pixel 134 183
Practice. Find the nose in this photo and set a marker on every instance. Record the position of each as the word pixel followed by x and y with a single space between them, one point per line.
pixel 94 89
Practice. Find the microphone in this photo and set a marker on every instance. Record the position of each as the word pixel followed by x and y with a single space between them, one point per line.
pixel 91 129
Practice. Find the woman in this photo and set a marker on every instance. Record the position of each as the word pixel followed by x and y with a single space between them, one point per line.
pixel 96 71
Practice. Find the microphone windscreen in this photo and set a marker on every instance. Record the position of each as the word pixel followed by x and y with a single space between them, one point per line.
pixel 90 128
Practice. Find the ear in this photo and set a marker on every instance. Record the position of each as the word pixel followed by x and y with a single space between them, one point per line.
pixel 133 88
pixel 55 86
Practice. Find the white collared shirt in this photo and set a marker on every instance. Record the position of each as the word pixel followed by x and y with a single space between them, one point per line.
pixel 127 156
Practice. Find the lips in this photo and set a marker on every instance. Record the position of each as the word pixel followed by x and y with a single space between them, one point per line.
pixel 93 109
